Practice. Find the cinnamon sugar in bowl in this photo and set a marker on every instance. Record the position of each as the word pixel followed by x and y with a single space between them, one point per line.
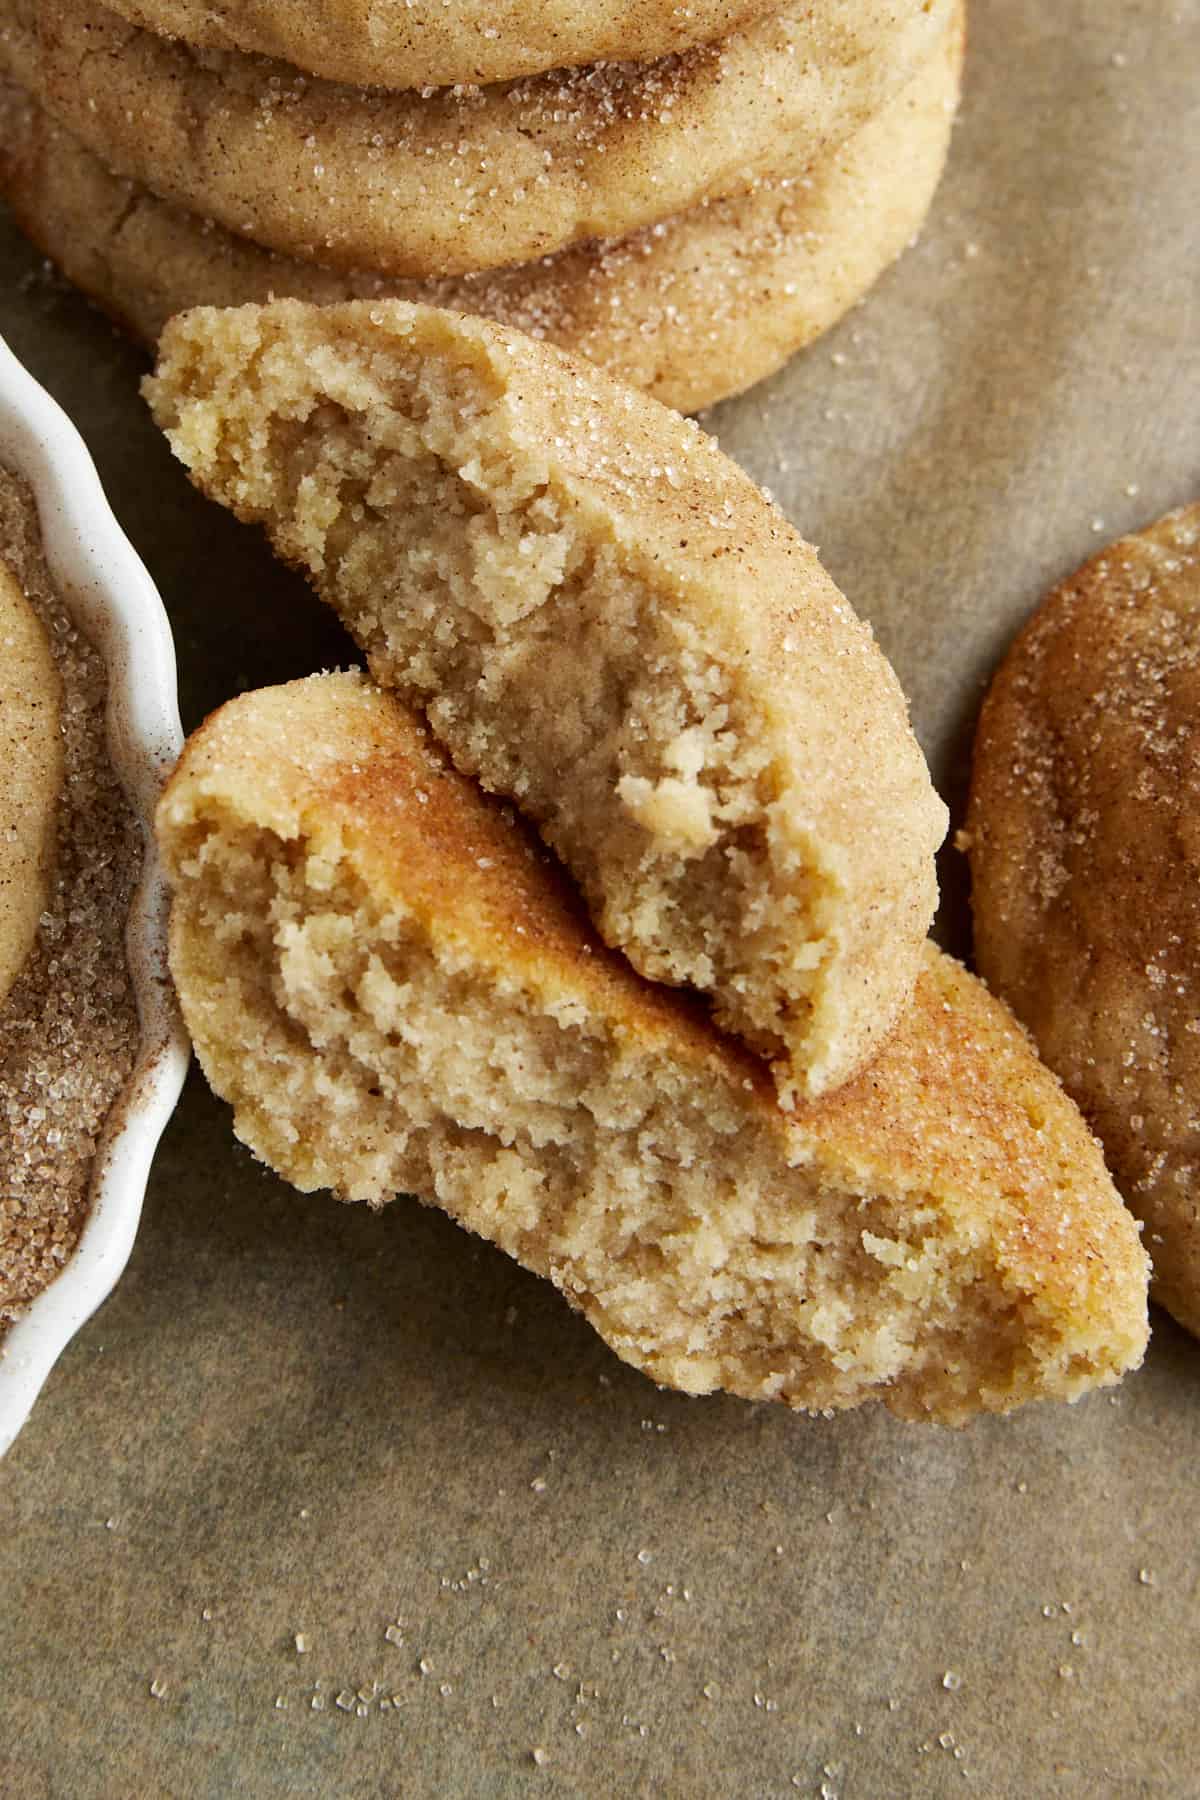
pixel 92 1054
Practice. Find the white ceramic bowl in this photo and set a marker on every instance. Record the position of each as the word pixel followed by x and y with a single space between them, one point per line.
pixel 118 608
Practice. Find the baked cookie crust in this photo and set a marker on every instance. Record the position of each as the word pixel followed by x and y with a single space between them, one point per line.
pixel 1084 839
pixel 397 990
pixel 456 181
pixel 691 310
pixel 427 43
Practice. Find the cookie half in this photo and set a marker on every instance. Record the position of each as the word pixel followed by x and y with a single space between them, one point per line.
pixel 691 310
pixel 1084 839
pixel 397 991
pixel 605 619
pixel 457 181
pixel 429 43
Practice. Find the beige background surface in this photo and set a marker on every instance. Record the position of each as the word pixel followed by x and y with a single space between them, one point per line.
pixel 294 1417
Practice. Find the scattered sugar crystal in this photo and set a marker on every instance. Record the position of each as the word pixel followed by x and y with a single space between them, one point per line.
pixel 68 1026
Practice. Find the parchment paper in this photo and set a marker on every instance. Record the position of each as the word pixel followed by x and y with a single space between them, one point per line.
pixel 295 1418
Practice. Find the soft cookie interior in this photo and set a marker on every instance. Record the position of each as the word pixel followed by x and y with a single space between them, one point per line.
pixel 397 990
pixel 605 620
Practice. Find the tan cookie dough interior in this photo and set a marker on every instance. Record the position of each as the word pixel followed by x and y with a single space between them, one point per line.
pixel 605 620
pixel 31 749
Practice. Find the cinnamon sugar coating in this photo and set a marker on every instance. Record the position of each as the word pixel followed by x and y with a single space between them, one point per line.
pixel 416 43
pixel 450 181
pixel 692 309
pixel 1084 838
pixel 604 619
pixel 397 990
pixel 31 753
pixel 68 1027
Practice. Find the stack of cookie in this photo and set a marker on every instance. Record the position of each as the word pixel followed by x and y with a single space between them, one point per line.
pixel 687 219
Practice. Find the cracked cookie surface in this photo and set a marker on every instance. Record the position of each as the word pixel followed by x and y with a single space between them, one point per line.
pixel 691 310
pixel 459 180
pixel 1084 843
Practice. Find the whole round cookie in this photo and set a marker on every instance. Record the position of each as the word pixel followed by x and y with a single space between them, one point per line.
pixel 1084 838
pixel 691 310
pixel 433 43
pixel 459 180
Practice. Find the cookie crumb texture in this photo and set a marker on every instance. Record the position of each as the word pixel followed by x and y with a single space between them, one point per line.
pixel 606 621
pixel 397 990
pixel 1085 864
pixel 68 1029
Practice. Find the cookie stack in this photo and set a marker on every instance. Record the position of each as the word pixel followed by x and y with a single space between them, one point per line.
pixel 688 218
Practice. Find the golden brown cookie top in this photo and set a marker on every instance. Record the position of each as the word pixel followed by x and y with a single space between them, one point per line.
pixel 691 310
pixel 1084 835
pixel 454 180
pixel 427 43
pixel 956 1126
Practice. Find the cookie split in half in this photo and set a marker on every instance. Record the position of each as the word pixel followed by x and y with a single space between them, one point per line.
pixel 604 619
pixel 396 989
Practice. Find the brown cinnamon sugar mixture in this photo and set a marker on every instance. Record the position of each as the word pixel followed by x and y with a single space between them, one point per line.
pixel 69 1028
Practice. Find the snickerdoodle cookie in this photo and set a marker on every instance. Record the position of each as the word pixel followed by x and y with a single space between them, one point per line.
pixel 692 310
pixel 31 748
pixel 1084 838
pixel 397 990
pixel 432 43
pixel 605 619
pixel 457 181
